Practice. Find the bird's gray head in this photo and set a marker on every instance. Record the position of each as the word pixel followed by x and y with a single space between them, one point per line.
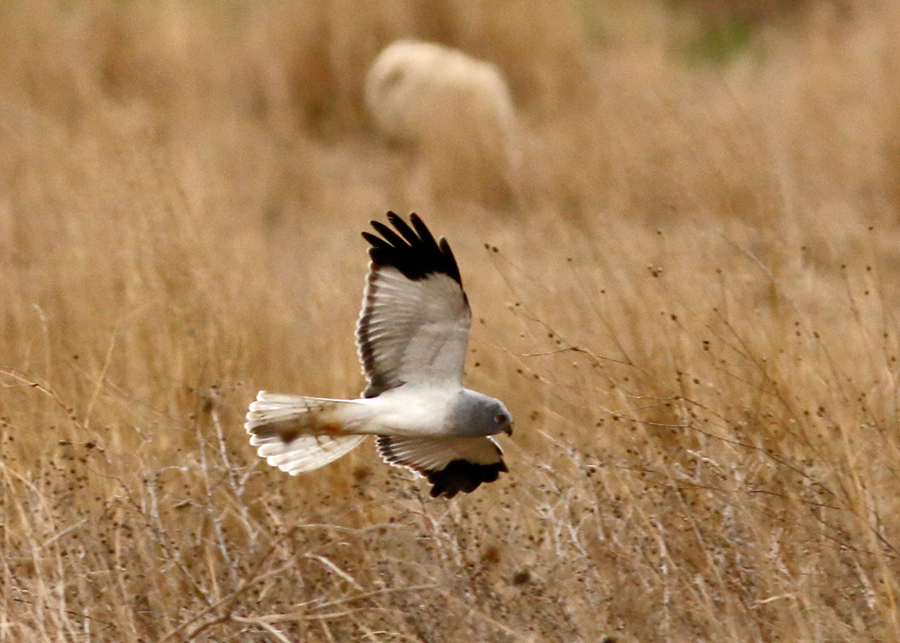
pixel 475 414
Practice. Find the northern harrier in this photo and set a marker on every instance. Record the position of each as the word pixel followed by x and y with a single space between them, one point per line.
pixel 412 336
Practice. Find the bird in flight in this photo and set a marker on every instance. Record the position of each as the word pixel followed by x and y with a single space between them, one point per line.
pixel 411 336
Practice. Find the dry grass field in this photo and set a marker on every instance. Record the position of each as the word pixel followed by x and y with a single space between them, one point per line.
pixel 689 307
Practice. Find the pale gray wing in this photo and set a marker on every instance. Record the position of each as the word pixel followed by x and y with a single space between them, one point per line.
pixel 450 464
pixel 415 320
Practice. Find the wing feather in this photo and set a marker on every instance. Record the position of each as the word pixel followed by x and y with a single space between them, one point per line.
pixel 450 464
pixel 415 320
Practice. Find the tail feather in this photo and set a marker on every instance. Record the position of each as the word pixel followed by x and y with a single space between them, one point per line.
pixel 298 434
pixel 307 452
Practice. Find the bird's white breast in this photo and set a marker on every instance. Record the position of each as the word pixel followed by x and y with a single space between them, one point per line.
pixel 412 410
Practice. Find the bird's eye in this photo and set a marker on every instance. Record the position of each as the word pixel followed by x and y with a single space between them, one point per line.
pixel 499 418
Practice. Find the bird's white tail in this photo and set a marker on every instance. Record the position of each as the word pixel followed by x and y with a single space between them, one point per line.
pixel 298 434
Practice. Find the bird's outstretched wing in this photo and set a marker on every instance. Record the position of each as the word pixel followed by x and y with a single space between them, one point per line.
pixel 450 464
pixel 415 320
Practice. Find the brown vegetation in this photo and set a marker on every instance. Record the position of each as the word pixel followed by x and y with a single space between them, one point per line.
pixel 691 315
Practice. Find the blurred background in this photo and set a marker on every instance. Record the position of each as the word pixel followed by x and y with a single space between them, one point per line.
pixel 684 287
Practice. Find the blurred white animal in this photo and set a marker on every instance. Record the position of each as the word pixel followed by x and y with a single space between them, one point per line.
pixel 454 111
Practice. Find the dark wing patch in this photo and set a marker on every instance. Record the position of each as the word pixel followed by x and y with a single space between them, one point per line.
pixel 461 475
pixel 414 251
pixel 451 465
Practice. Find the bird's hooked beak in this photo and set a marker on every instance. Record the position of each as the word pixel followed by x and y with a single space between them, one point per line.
pixel 508 430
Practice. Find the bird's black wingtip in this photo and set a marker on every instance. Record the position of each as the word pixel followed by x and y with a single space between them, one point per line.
pixel 411 249
pixel 462 475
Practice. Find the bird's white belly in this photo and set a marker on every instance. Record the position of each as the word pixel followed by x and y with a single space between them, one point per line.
pixel 411 411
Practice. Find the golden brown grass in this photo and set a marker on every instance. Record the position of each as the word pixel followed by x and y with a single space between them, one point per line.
pixel 691 315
